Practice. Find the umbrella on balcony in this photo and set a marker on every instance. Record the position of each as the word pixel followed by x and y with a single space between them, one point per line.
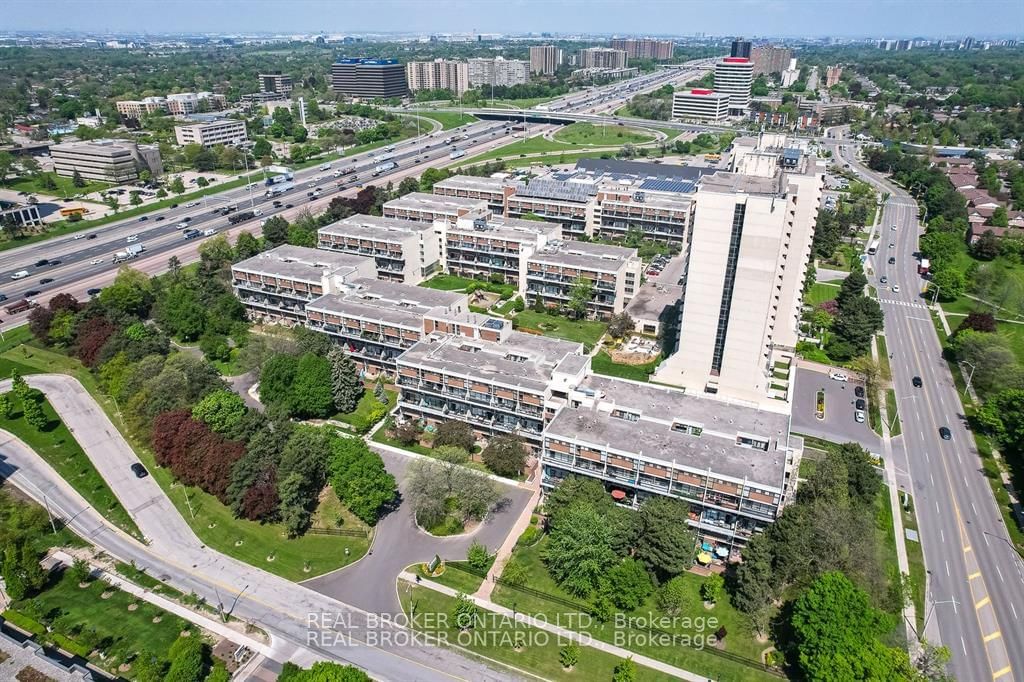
pixel 704 558
pixel 618 495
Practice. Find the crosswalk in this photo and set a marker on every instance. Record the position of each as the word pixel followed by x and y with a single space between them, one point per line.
pixel 909 304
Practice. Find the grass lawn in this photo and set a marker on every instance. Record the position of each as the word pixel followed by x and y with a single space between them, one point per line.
pixel 60 450
pixel 77 613
pixel 821 292
pixel 915 559
pixel 553 158
pixel 602 136
pixel 445 282
pixel 587 332
pixel 892 410
pixel 739 639
pixel 359 419
pixel 602 363
pixel 65 187
pixel 447 119
pixel 531 145
pixel 211 520
pixel 883 356
pixel 492 638
pixel 231 367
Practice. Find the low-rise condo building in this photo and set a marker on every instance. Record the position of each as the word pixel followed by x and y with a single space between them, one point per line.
pixel 404 250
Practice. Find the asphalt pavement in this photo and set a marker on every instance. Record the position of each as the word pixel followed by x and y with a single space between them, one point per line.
pixel 839 424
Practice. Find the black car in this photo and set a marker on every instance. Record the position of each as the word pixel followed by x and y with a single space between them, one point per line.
pixel 944 432
pixel 32 292
pixel 860 404
pixel 158 218
pixel 41 263
pixel 892 261
pixel 859 391
pixel 93 235
pixel 55 262
pixel 917 382
pixel 186 219
pixel 3 297
pixel 143 218
pixel 174 206
pixel 139 470
pixel 94 292
pixel 46 280
pixel 288 206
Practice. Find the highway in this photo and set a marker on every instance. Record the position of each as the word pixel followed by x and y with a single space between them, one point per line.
pixel 975 587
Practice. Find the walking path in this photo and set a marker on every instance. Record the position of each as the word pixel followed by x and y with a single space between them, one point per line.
pixel 505 551
pixel 562 633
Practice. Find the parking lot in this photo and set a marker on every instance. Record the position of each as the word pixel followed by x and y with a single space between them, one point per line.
pixel 666 270
pixel 839 424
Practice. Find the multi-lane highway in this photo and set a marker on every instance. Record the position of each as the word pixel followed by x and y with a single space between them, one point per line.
pixel 975 589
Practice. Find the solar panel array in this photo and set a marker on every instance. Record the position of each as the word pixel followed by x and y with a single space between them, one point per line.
pixel 683 187
pixel 553 189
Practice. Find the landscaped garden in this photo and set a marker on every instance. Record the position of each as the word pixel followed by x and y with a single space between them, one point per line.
pixel 590 134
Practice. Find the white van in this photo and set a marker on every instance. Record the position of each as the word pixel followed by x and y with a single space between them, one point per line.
pixel 21 274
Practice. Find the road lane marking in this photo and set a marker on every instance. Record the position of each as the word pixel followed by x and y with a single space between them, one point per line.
pixel 1000 573
pixel 932 477
pixel 995 635
pixel 984 601
pixel 973 509
pixel 1014 611
pixel 963 644
pixel 947 568
pixel 942 536
pixel 999 673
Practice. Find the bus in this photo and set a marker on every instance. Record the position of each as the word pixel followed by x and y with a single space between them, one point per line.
pixel 77 210
pixel 713 157
pixel 873 247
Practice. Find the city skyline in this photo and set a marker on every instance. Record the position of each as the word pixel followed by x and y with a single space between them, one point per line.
pixel 878 18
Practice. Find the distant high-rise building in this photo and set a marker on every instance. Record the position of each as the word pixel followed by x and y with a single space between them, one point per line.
pixel 770 59
pixel 545 59
pixel 498 72
pixel 603 58
pixel 440 74
pixel 968 43
pixel 644 48
pixel 734 76
pixel 832 75
pixel 740 48
pixel 369 78
pixel 275 82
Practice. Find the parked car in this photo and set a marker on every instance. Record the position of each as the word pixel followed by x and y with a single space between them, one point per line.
pixel 858 391
pixel 94 292
pixel 859 416
pixel 860 404
pixel 838 376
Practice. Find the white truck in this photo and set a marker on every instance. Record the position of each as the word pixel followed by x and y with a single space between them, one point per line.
pixel 381 158
pixel 326 167
pixel 456 154
pixel 132 251
pixel 384 167
pixel 276 190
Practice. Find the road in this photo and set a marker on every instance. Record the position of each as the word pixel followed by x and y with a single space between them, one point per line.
pixel 290 613
pixel 975 591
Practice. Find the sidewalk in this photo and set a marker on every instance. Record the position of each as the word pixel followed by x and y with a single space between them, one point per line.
pixel 505 551
pixel 581 639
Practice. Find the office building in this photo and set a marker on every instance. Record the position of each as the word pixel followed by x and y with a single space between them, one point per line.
pixel 113 161
pixel 645 48
pixel 700 104
pixel 555 270
pixel 832 75
pixel 734 76
pixel 495 379
pixel 23 215
pixel 602 58
pixel 491 247
pixel 431 207
pixel 545 59
pixel 770 59
pixel 440 74
pixel 210 133
pixel 735 465
pixel 276 83
pixel 745 263
pixel 178 104
pixel 497 72
pixel 492 190
pixel 740 48
pixel 403 250
pixel 369 78
pixel 276 285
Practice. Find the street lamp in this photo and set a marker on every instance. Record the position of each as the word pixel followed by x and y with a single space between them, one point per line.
pixel 935 296
pixel 970 376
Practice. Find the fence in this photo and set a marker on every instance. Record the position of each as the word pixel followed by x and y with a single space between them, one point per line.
pixel 344 532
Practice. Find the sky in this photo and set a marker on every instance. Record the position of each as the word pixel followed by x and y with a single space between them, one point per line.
pixel 854 18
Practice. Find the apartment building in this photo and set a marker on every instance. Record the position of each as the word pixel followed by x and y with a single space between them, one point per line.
pixel 554 271
pixel 136 109
pixel 734 76
pixel 655 310
pixel 439 74
pixel 178 104
pixel 832 75
pixel 494 191
pixel 568 201
pixel 770 59
pixel 276 82
pixel 700 104
pixel 489 246
pixel 660 209
pixel 404 250
pixel 377 321
pixel 746 258
pixel 645 48
pixel 499 71
pixel 504 382
pixel 369 78
pixel 210 133
pixel 740 48
pixel 735 465
pixel 545 59
pixel 424 207
pixel 602 58
pixel 277 285
pixel 113 161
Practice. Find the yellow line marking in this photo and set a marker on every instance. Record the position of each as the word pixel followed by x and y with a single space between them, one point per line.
pixel 982 602
pixel 972 576
pixel 995 635
pixel 967 548
pixel 999 673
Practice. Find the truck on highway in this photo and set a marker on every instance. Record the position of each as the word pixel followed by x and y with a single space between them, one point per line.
pixel 279 189
pixel 191 234
pixel 346 171
pixel 456 153
pixel 19 307
pixel 384 167
pixel 241 217
pixel 132 251
pixel 325 167
pixel 284 177
pixel 381 158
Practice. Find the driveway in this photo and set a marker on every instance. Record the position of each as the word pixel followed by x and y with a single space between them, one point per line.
pixel 838 425
pixel 370 583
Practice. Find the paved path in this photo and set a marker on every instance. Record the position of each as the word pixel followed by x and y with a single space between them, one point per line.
pixel 303 624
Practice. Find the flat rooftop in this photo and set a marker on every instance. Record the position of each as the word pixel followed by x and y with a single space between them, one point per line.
pixel 512 229
pixel 642 169
pixel 735 182
pixel 421 201
pixel 375 227
pixel 584 255
pixel 95 147
pixel 651 300
pixel 473 182
pixel 397 292
pixel 523 360
pixel 653 437
pixel 299 262
pixel 390 302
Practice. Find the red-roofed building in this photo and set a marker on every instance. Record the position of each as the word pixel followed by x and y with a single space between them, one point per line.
pixel 979 198
pixel 734 76
pixel 700 104
pixel 964 180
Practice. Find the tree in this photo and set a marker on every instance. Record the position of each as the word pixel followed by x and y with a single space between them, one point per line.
pixel 620 325
pixel 664 542
pixel 12 573
pixel 276 377
pixel 977 321
pixel 437 489
pixel 569 656
pixel 711 588
pixel 34 414
pixel 931 663
pixel 275 231
pixel 246 246
pixel 1000 218
pixel 505 456
pixel 1002 415
pixel 324 671
pixel 455 433
pixel 80 571
pixel 987 247
pixel 625 671
pixel 675 597
pixel 465 613
pixel 6 407
pixel 949 282
pixel 430 177
pixel 19 386
pixel 579 297
pixel 135 198
pixel 261 147
pixel 346 386
pixel 579 553
pixel 755 582
pixel 629 584
pixel 130 295
pixel 177 185
pixel 181 312
pixel 407 186
pixel 311 392
pixel 514 573
pixel 478 557
pixel 221 410
pixel 995 364
pixel 188 658
pixel 857 322
pixel 852 287
pixel 77 180
pixel 360 480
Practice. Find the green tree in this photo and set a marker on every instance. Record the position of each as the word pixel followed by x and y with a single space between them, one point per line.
pixel 620 325
pixel 1000 218
pixel 177 185
pixel 855 324
pixel 77 180
pixel 579 553
pixel 324 671
pixel 505 456
pixel 629 584
pixel 949 282
pixel 569 656
pixel 431 176
pixel 664 542
pixel 131 294
pixel 246 246
pixel 407 186
pixel 580 295
pixel 135 198
pixel 851 288
pixel 6 407
pixel 80 571
pixel 675 596
pixel 19 386
pixel 221 410
pixel 34 414
pixel 478 557
pixel 311 393
pixel 188 658
pixel 261 147
pixel 360 480
pixel 346 386
pixel 1002 415
pixel 625 671
pixel 711 588
pixel 12 573
pixel 987 247
pixel 465 613
pixel 455 433
pixel 275 231
pixel 276 377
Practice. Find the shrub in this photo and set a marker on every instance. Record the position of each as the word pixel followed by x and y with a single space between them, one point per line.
pixel 465 613
pixel 529 536
pixel 514 572
pixel 478 557
pixel 711 588
pixel 674 596
pixel 407 433
pixel 569 655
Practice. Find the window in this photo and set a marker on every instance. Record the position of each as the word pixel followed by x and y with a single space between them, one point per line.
pixel 752 442
pixel 628 416
pixel 691 429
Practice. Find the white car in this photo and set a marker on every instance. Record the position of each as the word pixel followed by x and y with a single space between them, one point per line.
pixel 895 288
pixel 859 416
pixel 838 376
pixel 192 204
pixel 893 228
pixel 80 235
pixel 133 238
pixel 95 261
